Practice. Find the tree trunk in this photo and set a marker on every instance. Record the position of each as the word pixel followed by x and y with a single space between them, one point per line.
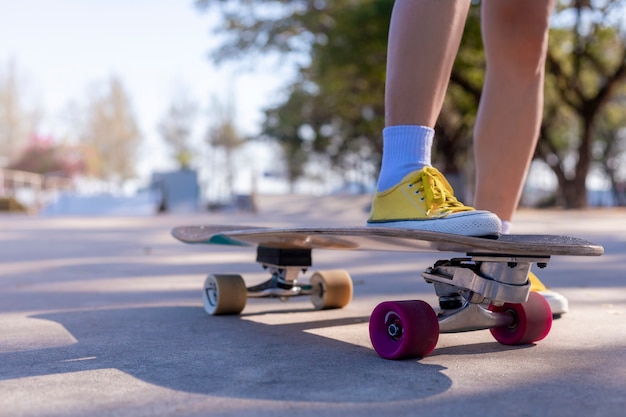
pixel 574 193
pixel 575 189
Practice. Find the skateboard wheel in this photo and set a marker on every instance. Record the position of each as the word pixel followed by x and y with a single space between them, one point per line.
pixel 331 289
pixel 532 321
pixel 404 329
pixel 224 294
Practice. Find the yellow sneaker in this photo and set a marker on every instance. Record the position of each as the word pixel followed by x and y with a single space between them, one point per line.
pixel 558 303
pixel 424 200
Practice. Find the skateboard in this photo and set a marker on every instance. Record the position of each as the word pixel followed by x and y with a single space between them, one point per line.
pixel 487 288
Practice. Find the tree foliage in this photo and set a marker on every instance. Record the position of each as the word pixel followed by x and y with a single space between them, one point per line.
pixel 334 109
pixel 271 26
pixel 109 129
pixel 222 136
pixel 176 127
pixel 585 90
pixel 456 122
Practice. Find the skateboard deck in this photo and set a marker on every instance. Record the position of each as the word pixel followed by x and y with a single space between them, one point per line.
pixel 384 239
pixel 487 288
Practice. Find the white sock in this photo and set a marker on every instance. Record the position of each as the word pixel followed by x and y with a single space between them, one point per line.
pixel 406 148
pixel 506 227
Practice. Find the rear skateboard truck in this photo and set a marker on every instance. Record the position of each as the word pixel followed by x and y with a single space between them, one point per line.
pixel 477 292
pixel 227 294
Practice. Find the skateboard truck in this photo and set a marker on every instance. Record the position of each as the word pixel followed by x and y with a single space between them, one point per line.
pixel 227 294
pixel 480 291
pixel 284 265
pixel 466 287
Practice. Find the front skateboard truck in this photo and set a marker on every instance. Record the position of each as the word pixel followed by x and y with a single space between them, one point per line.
pixel 475 293
pixel 465 285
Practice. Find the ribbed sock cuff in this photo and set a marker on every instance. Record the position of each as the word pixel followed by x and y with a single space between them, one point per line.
pixel 406 148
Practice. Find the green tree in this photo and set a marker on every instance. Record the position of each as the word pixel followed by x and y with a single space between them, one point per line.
pixel 223 135
pixel 286 124
pixel 610 147
pixel 453 145
pixel 251 27
pixel 586 69
pixel 335 108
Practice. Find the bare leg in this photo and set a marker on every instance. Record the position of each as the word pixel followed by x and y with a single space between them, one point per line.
pixel 515 35
pixel 423 41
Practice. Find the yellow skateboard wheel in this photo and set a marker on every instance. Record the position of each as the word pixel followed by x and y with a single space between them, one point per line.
pixel 331 289
pixel 224 294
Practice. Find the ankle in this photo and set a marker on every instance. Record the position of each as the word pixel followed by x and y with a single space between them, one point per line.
pixel 405 149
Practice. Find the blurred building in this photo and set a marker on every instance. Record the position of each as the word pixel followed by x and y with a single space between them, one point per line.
pixel 179 191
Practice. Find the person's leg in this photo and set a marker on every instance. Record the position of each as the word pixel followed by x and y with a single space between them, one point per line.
pixel 515 37
pixel 424 38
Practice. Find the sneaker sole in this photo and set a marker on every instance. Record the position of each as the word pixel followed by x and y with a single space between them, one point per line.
pixel 473 223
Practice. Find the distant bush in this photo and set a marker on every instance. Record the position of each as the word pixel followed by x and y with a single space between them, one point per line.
pixel 10 204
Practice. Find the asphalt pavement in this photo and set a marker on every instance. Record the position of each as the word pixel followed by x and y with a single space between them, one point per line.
pixel 102 316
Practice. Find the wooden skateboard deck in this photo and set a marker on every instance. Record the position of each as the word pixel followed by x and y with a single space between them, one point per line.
pixel 384 239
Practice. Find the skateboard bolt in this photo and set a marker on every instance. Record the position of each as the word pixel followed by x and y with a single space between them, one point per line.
pixel 394 330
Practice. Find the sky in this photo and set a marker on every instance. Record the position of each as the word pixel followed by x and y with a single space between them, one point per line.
pixel 156 47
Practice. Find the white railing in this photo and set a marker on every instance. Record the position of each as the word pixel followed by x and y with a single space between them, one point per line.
pixel 36 189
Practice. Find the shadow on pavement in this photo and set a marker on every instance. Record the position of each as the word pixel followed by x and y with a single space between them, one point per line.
pixel 182 349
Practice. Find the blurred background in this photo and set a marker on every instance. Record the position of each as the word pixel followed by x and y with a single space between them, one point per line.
pixel 164 106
